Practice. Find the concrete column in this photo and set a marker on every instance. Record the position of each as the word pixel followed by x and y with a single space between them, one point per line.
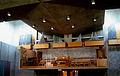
pixel 68 38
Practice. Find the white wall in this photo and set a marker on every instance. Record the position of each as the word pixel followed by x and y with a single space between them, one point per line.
pixel 112 18
pixel 6 32
pixel 11 31
pixel 21 29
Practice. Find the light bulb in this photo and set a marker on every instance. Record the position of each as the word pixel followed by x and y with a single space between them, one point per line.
pixel 9 14
pixel 94 20
pixel 44 20
pixel 93 2
pixel 33 26
pixel 68 17
pixel 52 28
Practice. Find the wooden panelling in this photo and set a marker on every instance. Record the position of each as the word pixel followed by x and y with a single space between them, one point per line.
pixel 94 43
pixel 59 45
pixel 41 46
pixel 60 68
pixel 75 44
pixel 102 63
pixel 63 58
pixel 29 47
pixel 32 67
pixel 113 42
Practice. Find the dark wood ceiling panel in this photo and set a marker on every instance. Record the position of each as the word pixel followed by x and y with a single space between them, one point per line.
pixel 55 15
pixel 99 4
pixel 5 4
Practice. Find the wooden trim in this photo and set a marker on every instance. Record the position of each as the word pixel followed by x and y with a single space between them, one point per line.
pixel 59 45
pixel 43 67
pixel 114 42
pixel 32 66
pixel 41 46
pixel 75 44
pixel 94 43
pixel 102 62
pixel 29 47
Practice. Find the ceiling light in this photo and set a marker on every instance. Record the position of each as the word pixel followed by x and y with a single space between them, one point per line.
pixel 44 20
pixel 68 17
pixel 33 26
pixel 9 14
pixel 93 2
pixel 94 20
pixel 73 26
pixel 52 28
pixel 3 21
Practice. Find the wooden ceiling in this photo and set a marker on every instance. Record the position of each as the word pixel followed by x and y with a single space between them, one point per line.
pixel 81 12
pixel 56 17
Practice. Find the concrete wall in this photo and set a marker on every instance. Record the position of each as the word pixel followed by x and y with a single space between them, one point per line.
pixel 11 54
pixel 19 72
pixel 72 52
pixel 7 53
pixel 7 32
pixel 11 31
pixel 112 18
pixel 9 39
pixel 22 28
pixel 114 63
